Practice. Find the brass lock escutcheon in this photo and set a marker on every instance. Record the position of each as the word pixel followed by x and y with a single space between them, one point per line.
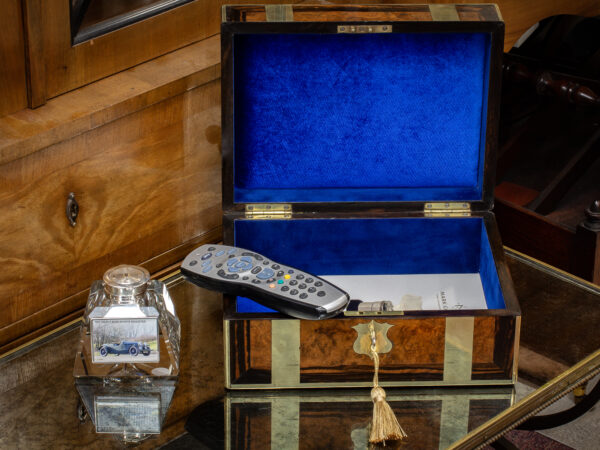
pixel 372 333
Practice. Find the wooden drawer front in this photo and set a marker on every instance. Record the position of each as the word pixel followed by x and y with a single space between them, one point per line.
pixel 145 184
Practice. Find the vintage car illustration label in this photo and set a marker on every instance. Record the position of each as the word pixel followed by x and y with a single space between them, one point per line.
pixel 124 340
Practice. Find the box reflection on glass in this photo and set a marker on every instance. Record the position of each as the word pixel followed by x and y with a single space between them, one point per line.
pixel 131 411
pixel 130 328
pixel 122 414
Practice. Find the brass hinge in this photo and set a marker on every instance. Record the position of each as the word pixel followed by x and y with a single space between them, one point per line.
pixel 269 211
pixel 447 209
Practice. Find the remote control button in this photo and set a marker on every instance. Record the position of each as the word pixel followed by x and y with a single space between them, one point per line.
pixel 321 293
pixel 206 269
pixel 290 271
pixel 301 286
pixel 287 277
pixel 285 288
pixel 219 265
pixel 265 274
pixel 255 281
pixel 243 265
pixel 193 262
pixel 220 253
pixel 254 255
pixel 270 280
pixel 244 278
pixel 309 280
pixel 294 291
pixel 206 256
pixel 293 283
pixel 303 295
pixel 272 285
pixel 266 263
pixel 206 263
pixel 256 270
pixel 276 266
pixel 246 259
pixel 231 251
pixel 312 289
pixel 210 249
pixel 318 283
pixel 231 256
pixel 232 261
pixel 230 276
pixel 300 277
pixel 280 273
pixel 280 282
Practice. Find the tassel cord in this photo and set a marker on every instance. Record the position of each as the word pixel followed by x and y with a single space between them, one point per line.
pixel 385 425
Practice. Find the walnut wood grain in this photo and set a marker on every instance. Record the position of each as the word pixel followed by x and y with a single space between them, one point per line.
pixel 68 67
pixel 97 104
pixel 145 184
pixel 33 16
pixel 13 87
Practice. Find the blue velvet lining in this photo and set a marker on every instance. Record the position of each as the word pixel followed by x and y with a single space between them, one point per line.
pixel 487 269
pixel 374 246
pixel 373 117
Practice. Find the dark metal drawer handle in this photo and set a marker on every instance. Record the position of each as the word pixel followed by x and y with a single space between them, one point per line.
pixel 72 209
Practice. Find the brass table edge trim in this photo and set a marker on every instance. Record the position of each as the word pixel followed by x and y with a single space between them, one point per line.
pixel 55 332
pixel 564 275
pixel 533 403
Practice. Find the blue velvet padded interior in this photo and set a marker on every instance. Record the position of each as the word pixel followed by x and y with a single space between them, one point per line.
pixel 370 117
pixel 374 247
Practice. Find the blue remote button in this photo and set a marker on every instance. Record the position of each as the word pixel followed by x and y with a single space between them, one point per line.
pixel 232 261
pixel 265 274
pixel 206 263
pixel 206 256
pixel 231 251
pixel 206 269
pixel 220 252
pixel 246 258
pixel 233 269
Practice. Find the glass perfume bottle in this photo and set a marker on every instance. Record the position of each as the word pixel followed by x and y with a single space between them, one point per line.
pixel 130 328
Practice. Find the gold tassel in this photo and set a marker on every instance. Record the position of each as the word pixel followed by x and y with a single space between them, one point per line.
pixel 385 426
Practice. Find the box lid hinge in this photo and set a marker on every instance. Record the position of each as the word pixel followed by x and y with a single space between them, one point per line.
pixel 447 209
pixel 268 211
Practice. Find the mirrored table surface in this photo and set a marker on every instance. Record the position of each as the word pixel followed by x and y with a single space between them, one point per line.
pixel 41 406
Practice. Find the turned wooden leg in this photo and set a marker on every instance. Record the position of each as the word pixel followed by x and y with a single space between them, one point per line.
pixel 587 239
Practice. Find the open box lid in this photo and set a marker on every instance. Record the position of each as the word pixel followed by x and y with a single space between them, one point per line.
pixel 349 115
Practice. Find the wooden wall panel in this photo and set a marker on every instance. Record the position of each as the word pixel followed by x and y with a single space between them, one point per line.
pixel 146 184
pixel 13 87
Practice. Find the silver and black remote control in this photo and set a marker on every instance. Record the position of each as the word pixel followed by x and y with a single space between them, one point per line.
pixel 243 272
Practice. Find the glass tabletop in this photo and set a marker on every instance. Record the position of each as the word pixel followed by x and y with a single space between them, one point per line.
pixel 41 406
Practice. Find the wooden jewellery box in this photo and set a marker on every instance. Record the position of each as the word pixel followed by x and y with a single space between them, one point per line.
pixel 359 144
